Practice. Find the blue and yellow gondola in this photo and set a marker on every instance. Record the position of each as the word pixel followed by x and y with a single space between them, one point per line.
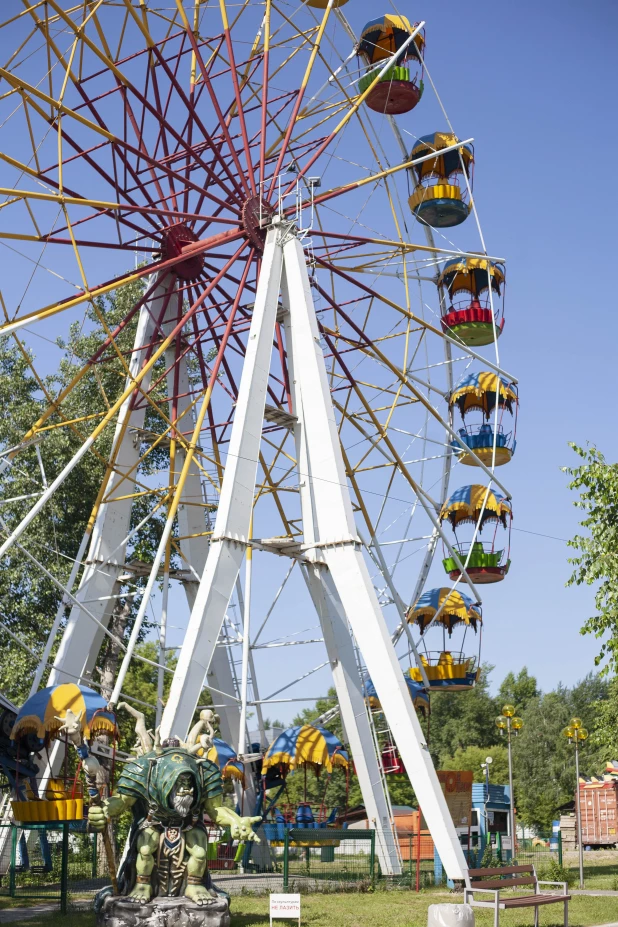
pixel 446 669
pixel 480 392
pixel 440 197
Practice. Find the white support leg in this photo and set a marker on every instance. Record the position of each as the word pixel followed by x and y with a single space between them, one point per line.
pixel 341 550
pixel 351 700
pixel 339 646
pixel 82 638
pixel 194 544
pixel 229 540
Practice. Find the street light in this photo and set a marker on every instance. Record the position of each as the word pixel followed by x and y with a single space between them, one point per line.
pixel 485 767
pixel 508 723
pixel 577 734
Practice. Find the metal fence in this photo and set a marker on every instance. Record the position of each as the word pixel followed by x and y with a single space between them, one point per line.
pixel 60 862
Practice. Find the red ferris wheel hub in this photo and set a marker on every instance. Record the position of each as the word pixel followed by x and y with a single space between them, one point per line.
pixel 176 238
pixel 255 215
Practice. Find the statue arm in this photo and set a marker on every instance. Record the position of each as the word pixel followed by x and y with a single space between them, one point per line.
pixel 240 827
pixel 99 815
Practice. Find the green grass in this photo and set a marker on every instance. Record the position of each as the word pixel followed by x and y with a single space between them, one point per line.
pixel 600 869
pixel 382 909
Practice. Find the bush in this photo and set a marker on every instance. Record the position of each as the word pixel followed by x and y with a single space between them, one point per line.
pixel 552 871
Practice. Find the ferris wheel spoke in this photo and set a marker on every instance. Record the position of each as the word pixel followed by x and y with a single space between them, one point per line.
pixel 299 100
pixel 239 103
pixel 198 122
pixel 213 97
pixel 101 289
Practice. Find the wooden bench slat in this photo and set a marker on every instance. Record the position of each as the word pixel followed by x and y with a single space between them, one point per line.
pixel 528 901
pixel 501 871
pixel 504 883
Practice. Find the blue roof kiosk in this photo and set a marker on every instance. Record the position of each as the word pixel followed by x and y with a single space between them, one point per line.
pixel 490 816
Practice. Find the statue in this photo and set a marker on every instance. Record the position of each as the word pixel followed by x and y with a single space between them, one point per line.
pixel 168 786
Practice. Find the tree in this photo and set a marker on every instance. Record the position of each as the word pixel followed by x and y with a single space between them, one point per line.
pixel 596 481
pixel 462 719
pixel 543 760
pixel 472 757
pixel 29 599
pixel 518 690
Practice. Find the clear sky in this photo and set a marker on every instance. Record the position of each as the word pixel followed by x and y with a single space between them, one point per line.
pixel 535 84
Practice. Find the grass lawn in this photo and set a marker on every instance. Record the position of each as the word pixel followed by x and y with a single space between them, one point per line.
pixel 383 909
pixel 600 868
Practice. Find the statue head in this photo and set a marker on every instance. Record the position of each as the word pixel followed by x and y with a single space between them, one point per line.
pixel 182 796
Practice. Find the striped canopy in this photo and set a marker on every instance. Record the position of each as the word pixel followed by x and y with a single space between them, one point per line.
pixel 443 164
pixel 478 391
pixel 226 759
pixel 384 36
pixel 457 608
pixel 40 714
pixel 467 503
pixel 471 274
pixel 305 745
pixel 419 696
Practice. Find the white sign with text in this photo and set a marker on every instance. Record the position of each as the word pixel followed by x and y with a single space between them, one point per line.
pixel 285 906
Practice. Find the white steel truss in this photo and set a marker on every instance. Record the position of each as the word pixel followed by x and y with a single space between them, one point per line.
pixel 335 568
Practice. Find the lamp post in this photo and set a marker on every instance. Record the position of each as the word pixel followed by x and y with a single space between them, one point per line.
pixel 577 734
pixel 508 723
pixel 485 767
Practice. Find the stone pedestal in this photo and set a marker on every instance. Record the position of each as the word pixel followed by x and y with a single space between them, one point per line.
pixel 163 912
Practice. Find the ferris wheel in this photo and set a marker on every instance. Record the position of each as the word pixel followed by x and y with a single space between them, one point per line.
pixel 281 408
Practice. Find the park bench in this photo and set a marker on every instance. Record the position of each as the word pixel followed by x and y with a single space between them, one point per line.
pixel 495 881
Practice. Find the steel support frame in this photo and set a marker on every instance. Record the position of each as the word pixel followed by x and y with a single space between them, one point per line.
pixel 82 638
pixel 332 524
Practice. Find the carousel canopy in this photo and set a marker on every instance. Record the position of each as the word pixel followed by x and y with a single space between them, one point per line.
pixel 419 696
pixel 226 759
pixel 41 713
pixel 305 745
pixel 467 503
pixel 384 36
pixel 455 608
pixel 478 391
pixel 471 274
pixel 443 164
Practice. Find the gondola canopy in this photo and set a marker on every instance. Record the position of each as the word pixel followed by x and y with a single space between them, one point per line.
pixel 450 605
pixel 474 502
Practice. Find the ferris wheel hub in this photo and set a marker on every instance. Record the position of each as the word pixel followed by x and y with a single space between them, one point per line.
pixel 176 239
pixel 256 216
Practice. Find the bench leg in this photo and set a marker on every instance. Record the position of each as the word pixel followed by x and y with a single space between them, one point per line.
pixel 536 915
pixel 566 914
pixel 496 915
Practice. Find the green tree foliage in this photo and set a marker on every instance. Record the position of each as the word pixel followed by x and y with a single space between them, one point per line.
pixel 543 759
pixel 518 689
pixel 462 719
pixel 29 599
pixel 596 481
pixel 472 757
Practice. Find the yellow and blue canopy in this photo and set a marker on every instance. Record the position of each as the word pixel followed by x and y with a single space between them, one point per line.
pixel 471 274
pixel 305 745
pixel 226 759
pixel 467 503
pixel 455 608
pixel 383 37
pixel 40 714
pixel 417 691
pixel 478 391
pixel 443 164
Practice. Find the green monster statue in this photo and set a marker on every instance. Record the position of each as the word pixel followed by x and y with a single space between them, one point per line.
pixel 168 789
